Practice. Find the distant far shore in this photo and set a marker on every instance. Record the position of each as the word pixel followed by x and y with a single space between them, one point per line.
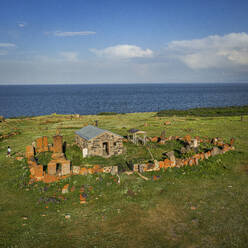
pixel 202 112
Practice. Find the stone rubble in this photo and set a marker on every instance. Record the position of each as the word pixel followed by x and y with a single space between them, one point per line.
pixel 59 167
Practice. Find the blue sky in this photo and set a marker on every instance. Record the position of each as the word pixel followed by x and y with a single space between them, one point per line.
pixel 81 41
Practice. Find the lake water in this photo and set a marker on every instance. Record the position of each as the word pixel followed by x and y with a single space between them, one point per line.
pixel 31 100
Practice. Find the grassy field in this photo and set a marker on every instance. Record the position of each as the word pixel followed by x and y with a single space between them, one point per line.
pixel 200 206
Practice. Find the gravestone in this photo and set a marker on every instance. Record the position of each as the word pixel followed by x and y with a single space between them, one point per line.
pixel 51 168
pixel 65 168
pixel 29 152
pixel 76 169
pixel 58 144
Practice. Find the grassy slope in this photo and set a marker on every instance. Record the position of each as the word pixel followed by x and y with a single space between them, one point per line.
pixel 204 206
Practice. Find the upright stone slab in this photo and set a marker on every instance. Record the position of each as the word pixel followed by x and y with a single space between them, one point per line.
pixel 76 169
pixel 45 144
pixel 29 152
pixel 187 138
pixel 195 143
pixel 57 144
pixel 65 168
pixel 171 157
pixel 114 170
pixel 51 168
pixel 136 167
pixel 39 144
pixel 38 171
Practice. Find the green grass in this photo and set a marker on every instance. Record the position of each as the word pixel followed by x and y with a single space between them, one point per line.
pixel 200 206
pixel 208 112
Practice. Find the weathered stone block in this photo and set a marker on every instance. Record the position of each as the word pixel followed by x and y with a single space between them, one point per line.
pixel 136 167
pixel 83 171
pixel 51 168
pixel 29 152
pixel 114 170
pixel 76 169
pixel 58 144
pixel 171 157
pixel 187 138
pixel 45 144
pixel 39 144
pixel 38 171
pixel 154 139
pixel 107 169
pixel 161 164
pixel 167 163
pixel 49 178
pixel 65 168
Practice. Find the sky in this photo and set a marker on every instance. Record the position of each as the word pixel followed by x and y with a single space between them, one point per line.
pixel 113 41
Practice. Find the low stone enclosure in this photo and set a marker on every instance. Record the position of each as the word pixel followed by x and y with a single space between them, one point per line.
pixel 190 144
pixel 59 167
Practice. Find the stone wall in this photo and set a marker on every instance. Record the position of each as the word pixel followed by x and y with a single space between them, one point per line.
pixel 104 145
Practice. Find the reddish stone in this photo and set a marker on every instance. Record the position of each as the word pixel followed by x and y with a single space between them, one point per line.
pixel 58 144
pixel 96 168
pixel 91 171
pixel 19 158
pixel 154 139
pixel 187 138
pixel 161 164
pixel 50 178
pixel 82 199
pixel 83 171
pixel 45 144
pixel 167 163
pixel 186 162
pixel 29 152
pixel 198 156
pixel 51 168
pixel 167 123
pixel 39 145
pixel 38 171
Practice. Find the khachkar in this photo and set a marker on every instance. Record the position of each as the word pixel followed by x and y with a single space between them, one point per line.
pixel 58 165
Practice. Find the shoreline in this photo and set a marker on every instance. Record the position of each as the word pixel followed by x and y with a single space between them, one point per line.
pixel 201 112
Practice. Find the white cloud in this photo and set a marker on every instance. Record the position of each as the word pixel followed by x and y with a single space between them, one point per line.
pixel 212 51
pixel 22 24
pixel 67 34
pixel 70 56
pixel 123 51
pixel 7 45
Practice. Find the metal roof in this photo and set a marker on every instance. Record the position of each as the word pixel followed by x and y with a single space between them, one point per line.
pixel 90 132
